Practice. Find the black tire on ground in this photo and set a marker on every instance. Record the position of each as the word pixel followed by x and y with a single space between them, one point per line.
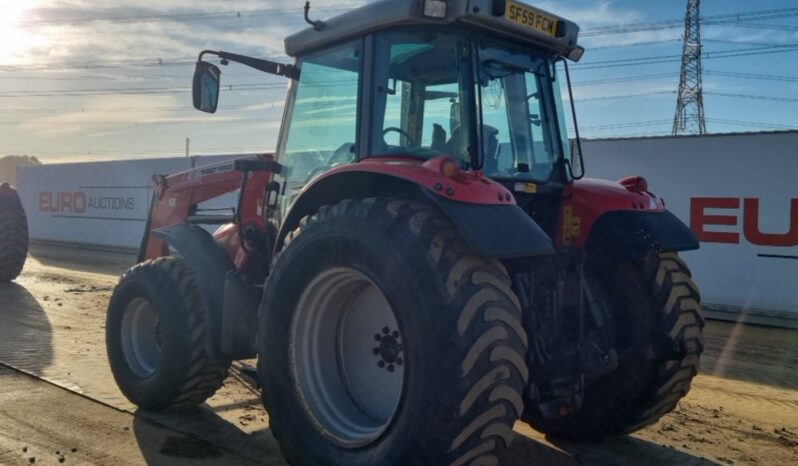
pixel 13 241
pixel 462 339
pixel 157 304
pixel 658 295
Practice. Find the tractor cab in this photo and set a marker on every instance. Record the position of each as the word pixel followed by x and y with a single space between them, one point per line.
pixel 474 80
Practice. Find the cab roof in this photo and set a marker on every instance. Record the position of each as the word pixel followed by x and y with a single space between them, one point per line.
pixel 486 15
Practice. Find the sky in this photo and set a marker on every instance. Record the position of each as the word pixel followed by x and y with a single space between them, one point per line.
pixel 93 80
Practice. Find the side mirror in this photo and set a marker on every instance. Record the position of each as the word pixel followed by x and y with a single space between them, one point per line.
pixel 205 89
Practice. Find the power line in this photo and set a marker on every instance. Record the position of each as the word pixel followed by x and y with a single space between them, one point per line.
pixel 187 16
pixel 655 60
pixel 723 19
pixel 626 96
pixel 764 77
pixel 752 97
pixel 644 77
pixel 635 44
pixel 133 91
pixel 753 124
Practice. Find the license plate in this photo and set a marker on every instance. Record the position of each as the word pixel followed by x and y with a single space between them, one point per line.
pixel 531 18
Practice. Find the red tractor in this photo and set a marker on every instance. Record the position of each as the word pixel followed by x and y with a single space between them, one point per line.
pixel 419 264
pixel 13 234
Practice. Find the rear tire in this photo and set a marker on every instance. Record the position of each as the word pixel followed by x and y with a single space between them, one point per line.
pixel 155 336
pixel 643 300
pixel 13 241
pixel 455 395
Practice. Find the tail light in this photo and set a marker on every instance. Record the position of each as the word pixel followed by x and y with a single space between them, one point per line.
pixel 636 184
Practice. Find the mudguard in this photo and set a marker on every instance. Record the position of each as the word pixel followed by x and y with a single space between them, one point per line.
pixel 496 231
pixel 632 234
pixel 482 210
pixel 210 264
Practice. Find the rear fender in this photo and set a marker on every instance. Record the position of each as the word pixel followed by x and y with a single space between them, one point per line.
pixel 620 219
pixel 483 211
pixel 632 235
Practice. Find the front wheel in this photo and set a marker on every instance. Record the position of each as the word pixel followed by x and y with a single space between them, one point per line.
pixel 655 306
pixel 385 341
pixel 156 337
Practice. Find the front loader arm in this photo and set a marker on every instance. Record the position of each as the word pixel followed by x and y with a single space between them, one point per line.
pixel 178 196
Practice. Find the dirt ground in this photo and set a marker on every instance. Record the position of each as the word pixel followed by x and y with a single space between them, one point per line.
pixel 57 393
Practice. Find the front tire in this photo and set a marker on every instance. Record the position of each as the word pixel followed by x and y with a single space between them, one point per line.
pixel 655 304
pixel 13 241
pixel 385 341
pixel 155 337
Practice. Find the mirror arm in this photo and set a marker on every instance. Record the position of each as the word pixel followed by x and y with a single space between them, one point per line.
pixel 576 123
pixel 278 69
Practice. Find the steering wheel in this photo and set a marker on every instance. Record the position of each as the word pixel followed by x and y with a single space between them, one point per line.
pixel 341 155
pixel 394 129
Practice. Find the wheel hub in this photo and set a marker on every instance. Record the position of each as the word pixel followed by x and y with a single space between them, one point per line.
pixel 390 349
pixel 142 337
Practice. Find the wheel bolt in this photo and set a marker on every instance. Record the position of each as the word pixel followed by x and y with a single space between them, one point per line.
pixel 378 337
pixel 395 334
pixel 376 351
pixel 391 368
pixel 381 364
pixel 399 361
pixel 386 330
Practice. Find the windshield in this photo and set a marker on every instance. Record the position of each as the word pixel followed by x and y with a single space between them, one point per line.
pixel 521 117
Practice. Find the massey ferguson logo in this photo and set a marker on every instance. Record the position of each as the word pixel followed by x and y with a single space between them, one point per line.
pixel 79 202
pixel 705 224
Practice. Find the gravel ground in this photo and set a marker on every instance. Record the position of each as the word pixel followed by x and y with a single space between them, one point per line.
pixel 743 408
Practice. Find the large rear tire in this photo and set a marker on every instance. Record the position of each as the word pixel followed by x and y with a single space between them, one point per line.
pixel 155 336
pixel 384 340
pixel 13 239
pixel 649 304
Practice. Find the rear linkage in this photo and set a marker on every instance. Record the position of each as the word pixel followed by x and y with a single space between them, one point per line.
pixel 571 333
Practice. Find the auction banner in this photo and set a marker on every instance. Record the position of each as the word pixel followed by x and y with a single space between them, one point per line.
pixel 97 203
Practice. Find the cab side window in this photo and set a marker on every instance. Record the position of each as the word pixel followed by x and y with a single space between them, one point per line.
pixel 322 128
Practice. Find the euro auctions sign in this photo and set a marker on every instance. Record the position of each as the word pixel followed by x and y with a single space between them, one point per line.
pixel 732 220
pixel 79 202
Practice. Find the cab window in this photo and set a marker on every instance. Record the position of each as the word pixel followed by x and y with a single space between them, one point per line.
pixel 420 90
pixel 322 128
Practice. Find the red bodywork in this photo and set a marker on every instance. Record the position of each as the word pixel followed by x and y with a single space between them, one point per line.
pixel 584 201
pixel 465 186
pixel 178 195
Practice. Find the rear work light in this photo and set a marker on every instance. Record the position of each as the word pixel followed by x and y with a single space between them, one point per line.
pixel 435 8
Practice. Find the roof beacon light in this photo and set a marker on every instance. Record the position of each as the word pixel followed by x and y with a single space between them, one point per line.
pixel 435 8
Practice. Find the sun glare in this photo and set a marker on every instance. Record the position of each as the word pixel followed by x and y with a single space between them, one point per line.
pixel 14 39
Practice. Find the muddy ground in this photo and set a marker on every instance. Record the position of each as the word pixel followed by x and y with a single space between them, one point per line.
pixel 57 393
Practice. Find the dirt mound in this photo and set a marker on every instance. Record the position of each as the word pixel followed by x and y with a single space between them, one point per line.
pixel 9 164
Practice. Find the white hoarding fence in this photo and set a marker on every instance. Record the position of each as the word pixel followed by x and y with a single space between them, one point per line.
pixel 97 203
